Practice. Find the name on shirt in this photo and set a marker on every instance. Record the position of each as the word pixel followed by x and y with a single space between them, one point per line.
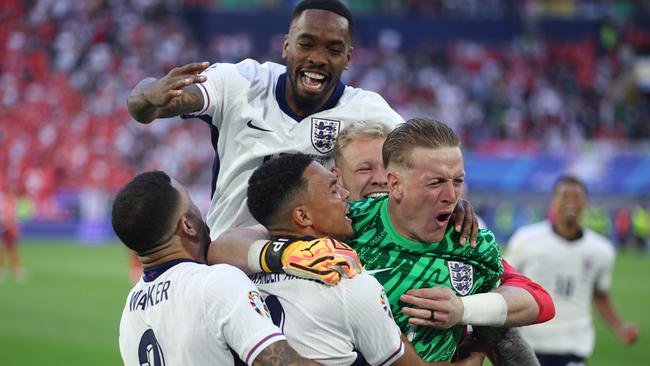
pixel 152 295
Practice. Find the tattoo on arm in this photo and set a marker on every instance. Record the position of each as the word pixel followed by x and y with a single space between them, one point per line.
pixel 280 353
pixel 508 346
pixel 190 101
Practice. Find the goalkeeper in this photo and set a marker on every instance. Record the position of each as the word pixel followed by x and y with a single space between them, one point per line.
pixel 433 190
pixel 298 199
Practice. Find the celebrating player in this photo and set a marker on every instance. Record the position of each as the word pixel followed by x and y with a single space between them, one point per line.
pixel 258 111
pixel 484 264
pixel 296 197
pixel 183 311
pixel 575 265
pixel 359 167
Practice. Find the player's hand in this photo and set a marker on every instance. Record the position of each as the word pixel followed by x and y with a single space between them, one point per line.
pixel 437 307
pixel 324 259
pixel 628 334
pixel 163 91
pixel 465 222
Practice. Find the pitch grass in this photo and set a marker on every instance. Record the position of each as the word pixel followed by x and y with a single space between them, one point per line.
pixel 68 311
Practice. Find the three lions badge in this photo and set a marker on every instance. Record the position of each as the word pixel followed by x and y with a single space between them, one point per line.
pixel 461 276
pixel 324 133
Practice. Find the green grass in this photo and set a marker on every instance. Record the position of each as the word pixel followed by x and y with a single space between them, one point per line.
pixel 68 311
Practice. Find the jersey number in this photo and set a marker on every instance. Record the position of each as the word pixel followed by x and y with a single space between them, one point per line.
pixel 149 352
pixel 565 286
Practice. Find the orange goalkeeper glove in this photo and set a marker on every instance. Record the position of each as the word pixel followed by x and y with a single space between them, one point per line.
pixel 323 259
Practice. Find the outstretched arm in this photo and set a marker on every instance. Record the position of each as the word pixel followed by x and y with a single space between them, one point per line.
pixel 234 245
pixel 626 333
pixel 172 95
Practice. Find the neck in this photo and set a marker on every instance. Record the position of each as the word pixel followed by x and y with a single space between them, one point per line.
pixel 170 251
pixel 396 220
pixel 297 232
pixel 568 230
pixel 302 108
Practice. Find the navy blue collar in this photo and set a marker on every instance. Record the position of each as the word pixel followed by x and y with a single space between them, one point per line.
pixel 280 96
pixel 151 273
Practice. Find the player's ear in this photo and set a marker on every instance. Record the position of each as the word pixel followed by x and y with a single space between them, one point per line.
pixel 301 216
pixel 337 172
pixel 395 186
pixel 349 56
pixel 285 46
pixel 187 227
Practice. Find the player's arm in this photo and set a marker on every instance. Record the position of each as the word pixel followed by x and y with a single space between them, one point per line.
pixel 517 302
pixel 411 358
pixel 626 333
pixel 234 245
pixel 280 353
pixel 506 346
pixel 172 95
pixel 251 250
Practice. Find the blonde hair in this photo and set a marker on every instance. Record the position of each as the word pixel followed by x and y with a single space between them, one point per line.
pixel 359 130
pixel 416 132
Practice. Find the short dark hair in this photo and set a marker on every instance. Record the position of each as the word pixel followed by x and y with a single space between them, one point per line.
pixel 569 179
pixel 334 6
pixel 416 132
pixel 274 184
pixel 144 210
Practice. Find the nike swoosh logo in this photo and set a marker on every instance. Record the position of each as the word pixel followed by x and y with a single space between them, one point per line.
pixel 374 271
pixel 251 125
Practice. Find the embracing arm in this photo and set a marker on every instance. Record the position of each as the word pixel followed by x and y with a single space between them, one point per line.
pixel 233 247
pixel 280 353
pixel 506 346
pixel 411 358
pixel 172 95
pixel 517 302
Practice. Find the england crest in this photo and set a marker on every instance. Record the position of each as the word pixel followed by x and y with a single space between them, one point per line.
pixel 324 133
pixel 462 276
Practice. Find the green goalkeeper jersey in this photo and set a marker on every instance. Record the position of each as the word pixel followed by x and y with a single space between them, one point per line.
pixel 407 264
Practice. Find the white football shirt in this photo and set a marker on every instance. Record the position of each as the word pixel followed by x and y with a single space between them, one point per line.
pixel 570 271
pixel 250 120
pixel 186 313
pixel 333 324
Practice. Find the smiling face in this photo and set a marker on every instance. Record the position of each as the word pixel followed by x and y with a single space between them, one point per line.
pixel 424 193
pixel 360 168
pixel 317 50
pixel 567 205
pixel 325 208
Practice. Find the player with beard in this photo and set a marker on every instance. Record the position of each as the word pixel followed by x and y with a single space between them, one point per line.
pixel 258 111
pixel 575 265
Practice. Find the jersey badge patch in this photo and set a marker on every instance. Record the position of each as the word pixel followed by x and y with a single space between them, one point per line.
pixel 324 133
pixel 258 304
pixel 383 300
pixel 462 276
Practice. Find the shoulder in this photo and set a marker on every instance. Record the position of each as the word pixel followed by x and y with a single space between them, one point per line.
pixel 599 243
pixel 365 205
pixel 533 231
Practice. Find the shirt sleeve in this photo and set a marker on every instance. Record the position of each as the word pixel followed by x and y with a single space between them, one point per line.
pixel 377 109
pixel 511 277
pixel 245 322
pixel 375 334
pixel 604 275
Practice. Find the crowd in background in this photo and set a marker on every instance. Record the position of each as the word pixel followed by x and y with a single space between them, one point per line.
pixel 67 67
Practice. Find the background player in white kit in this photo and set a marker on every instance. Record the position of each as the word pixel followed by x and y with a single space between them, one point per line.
pixel 183 312
pixel 258 111
pixel 296 197
pixel 575 265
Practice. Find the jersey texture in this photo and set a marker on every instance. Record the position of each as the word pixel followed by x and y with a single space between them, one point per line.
pixel 400 264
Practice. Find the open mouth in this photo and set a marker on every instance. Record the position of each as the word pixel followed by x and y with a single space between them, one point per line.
pixel 312 81
pixel 443 219
pixel 376 194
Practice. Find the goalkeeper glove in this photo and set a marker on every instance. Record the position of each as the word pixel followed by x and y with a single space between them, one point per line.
pixel 323 259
